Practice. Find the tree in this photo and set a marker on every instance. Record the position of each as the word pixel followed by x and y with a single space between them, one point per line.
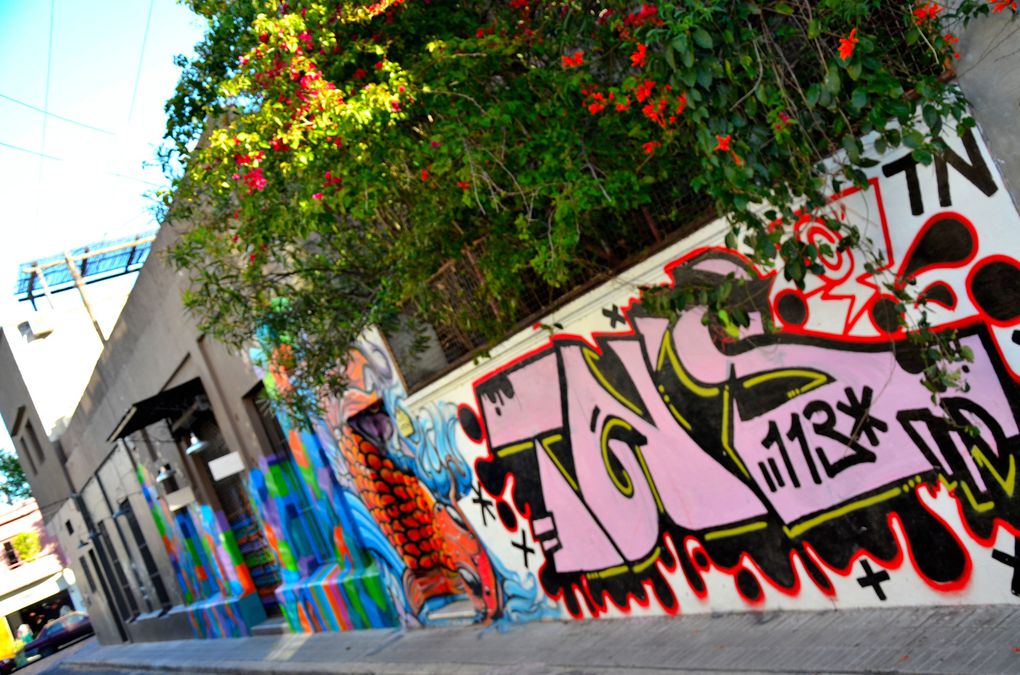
pixel 13 485
pixel 340 156
pixel 28 545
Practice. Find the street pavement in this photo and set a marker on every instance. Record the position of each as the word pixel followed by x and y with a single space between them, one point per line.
pixel 53 665
pixel 983 639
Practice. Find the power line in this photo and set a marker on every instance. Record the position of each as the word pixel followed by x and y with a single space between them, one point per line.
pixel 61 159
pixel 46 107
pixel 141 58
pixel 31 152
pixel 56 116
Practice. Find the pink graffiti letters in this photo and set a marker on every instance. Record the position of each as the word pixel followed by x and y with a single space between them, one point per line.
pixel 743 454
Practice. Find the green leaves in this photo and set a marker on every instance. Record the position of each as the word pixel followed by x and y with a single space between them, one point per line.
pixel 702 38
pixel 398 140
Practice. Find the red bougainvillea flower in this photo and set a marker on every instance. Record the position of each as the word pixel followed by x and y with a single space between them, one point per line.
pixel 1003 5
pixel 317 195
pixel 847 44
pixel 681 104
pixel 950 41
pixel 597 103
pixel 650 147
pixel 654 110
pixel 424 174
pixel 722 143
pixel 255 180
pixel 643 90
pixel 463 184
pixel 926 13
pixel 647 14
pixel 573 61
pixel 639 58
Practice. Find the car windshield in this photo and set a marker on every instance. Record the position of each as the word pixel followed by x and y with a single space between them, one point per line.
pixel 53 628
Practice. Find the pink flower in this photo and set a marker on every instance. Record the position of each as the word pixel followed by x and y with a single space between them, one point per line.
pixel 317 195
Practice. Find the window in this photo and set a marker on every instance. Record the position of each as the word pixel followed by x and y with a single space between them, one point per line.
pixel 11 555
pixel 70 529
pixel 143 548
pixel 28 456
pixel 88 573
pixel 33 440
pixel 131 610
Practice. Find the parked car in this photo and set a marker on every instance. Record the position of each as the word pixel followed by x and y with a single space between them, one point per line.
pixel 8 666
pixel 59 633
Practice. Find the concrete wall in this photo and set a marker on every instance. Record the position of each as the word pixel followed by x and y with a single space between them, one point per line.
pixel 43 472
pixel 989 76
pixel 630 465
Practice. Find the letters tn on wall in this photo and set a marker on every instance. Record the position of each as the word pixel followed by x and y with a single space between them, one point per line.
pixel 629 464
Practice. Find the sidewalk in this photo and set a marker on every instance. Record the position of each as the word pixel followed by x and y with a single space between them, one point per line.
pixel 915 640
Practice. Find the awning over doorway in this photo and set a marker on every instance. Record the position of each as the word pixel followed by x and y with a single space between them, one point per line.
pixel 30 595
pixel 169 403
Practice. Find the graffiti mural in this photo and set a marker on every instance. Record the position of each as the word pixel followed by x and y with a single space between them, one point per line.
pixel 329 582
pixel 634 465
pixel 408 475
pixel 652 456
pixel 211 571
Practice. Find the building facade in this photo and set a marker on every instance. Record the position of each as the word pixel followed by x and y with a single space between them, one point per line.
pixel 35 583
pixel 623 465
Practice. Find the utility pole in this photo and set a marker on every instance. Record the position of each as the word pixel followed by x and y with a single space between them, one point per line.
pixel 80 283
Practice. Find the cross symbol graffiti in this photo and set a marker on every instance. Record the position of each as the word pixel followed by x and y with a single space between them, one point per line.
pixel 1011 561
pixel 614 316
pixel 873 579
pixel 1004 558
pixel 484 504
pixel 523 546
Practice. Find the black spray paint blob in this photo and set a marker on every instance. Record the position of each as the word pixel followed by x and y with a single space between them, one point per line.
pixel 469 423
pixel 791 309
pixel 939 292
pixel 506 515
pixel 748 586
pixel 995 286
pixel 885 315
pixel 944 243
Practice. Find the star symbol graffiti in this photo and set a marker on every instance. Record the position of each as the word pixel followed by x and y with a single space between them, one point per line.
pixel 484 504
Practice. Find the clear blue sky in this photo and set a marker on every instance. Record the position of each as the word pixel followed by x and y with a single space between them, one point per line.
pixel 104 69
pixel 106 64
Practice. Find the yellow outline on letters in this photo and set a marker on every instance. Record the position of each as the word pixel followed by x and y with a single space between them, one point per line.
pixel 591 358
pixel 736 531
pixel 798 530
